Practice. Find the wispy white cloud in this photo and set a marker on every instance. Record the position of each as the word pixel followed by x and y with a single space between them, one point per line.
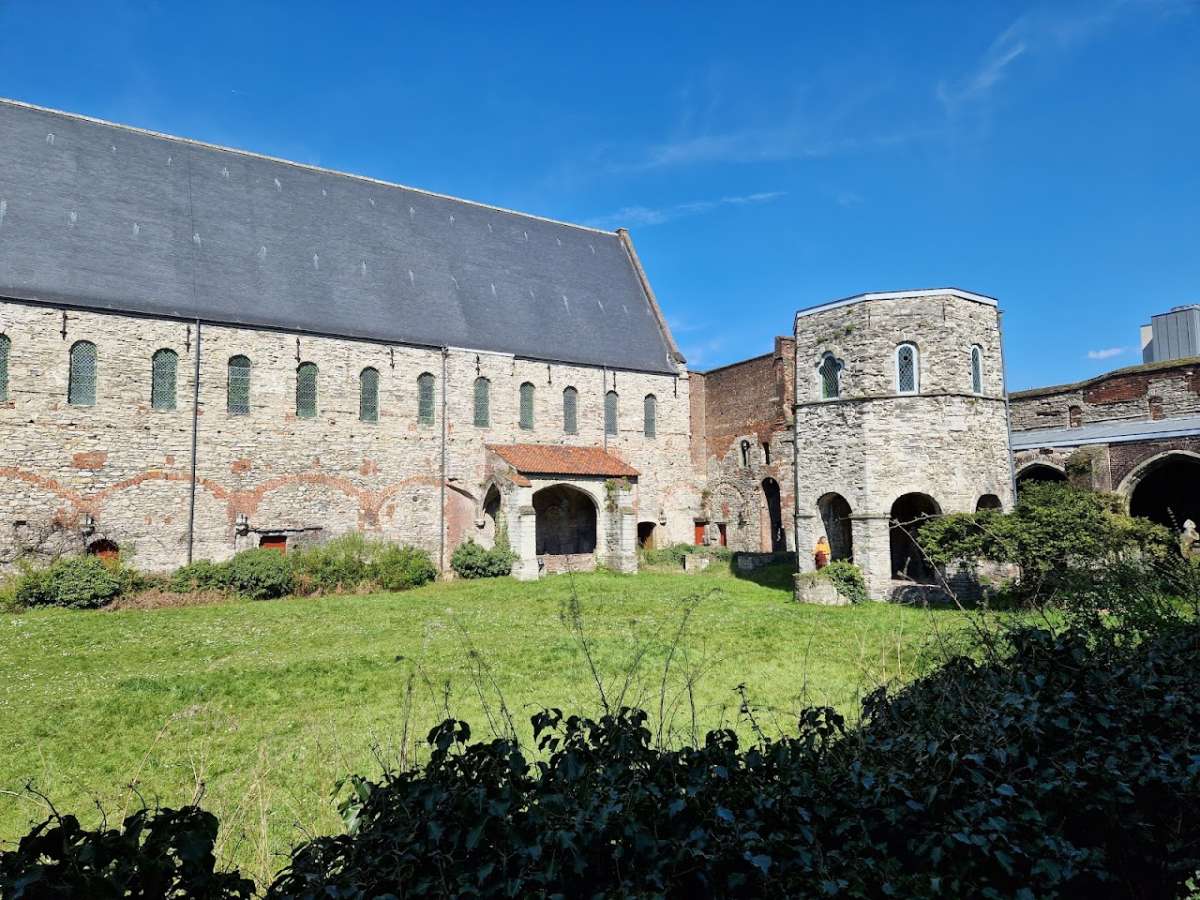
pixel 634 216
pixel 700 353
pixel 1106 353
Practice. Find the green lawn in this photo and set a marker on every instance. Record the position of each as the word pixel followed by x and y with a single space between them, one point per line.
pixel 266 705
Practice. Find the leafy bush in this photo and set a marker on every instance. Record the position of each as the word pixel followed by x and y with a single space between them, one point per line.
pixel 259 574
pixel 201 575
pixel 159 854
pixel 676 553
pixel 401 568
pixel 1059 765
pixel 848 579
pixel 77 582
pixel 340 564
pixel 1054 531
pixel 470 560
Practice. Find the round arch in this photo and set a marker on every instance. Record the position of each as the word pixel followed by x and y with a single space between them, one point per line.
pixel 1041 472
pixel 835 518
pixel 565 520
pixel 772 538
pixel 908 513
pixel 988 502
pixel 1165 488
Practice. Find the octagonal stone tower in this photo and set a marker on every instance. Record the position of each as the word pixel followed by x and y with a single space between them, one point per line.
pixel 900 414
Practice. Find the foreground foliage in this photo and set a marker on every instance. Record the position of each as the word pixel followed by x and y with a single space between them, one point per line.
pixel 472 560
pixel 76 582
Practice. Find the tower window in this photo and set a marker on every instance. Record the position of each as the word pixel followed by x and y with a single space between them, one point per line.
pixel 81 383
pixel 237 390
pixel 526 406
pixel 483 410
pixel 908 369
pixel 570 410
pixel 306 390
pixel 368 395
pixel 610 413
pixel 745 448
pixel 977 369
pixel 425 399
pixel 649 415
pixel 163 366
pixel 829 373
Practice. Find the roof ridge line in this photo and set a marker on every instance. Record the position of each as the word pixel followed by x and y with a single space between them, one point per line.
pixel 208 145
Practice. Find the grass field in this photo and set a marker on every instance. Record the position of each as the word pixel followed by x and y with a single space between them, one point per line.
pixel 264 706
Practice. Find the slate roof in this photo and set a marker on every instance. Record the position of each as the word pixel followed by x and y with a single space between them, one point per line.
pixel 544 459
pixel 107 217
pixel 1106 433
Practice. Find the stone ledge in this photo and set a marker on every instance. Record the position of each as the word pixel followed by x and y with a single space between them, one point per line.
pixel 811 587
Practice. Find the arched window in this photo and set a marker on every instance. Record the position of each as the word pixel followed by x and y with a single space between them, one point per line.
pixel 483 410
pixel 237 389
pixel 745 448
pixel 908 369
pixel 368 395
pixel 163 365
pixel 5 344
pixel 649 414
pixel 977 369
pixel 81 383
pixel 570 410
pixel 829 372
pixel 1075 416
pixel 425 399
pixel 526 406
pixel 306 390
pixel 610 413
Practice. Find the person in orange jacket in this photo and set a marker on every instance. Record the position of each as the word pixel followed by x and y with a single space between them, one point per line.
pixel 821 553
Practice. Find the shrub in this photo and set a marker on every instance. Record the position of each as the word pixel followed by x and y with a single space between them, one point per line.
pixel 77 582
pixel 340 564
pixel 470 560
pixel 201 575
pixel 159 854
pixel 848 579
pixel 259 574
pixel 676 553
pixel 1058 765
pixel 401 568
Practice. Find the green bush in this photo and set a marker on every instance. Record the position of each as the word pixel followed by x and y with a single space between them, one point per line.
pixel 77 582
pixel 675 554
pixel 848 579
pixel 341 564
pixel 201 575
pixel 259 574
pixel 401 568
pixel 470 560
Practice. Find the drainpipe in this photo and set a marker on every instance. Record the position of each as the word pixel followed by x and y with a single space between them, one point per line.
pixel 1012 466
pixel 604 405
pixel 195 423
pixel 442 480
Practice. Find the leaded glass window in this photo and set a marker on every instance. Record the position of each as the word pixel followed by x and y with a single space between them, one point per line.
pixel 306 390
pixel 830 374
pixel 977 370
pixel 649 414
pixel 571 410
pixel 163 366
pixel 908 373
pixel 526 405
pixel 81 385
pixel 610 413
pixel 425 399
pixel 237 391
pixel 5 344
pixel 368 395
pixel 483 406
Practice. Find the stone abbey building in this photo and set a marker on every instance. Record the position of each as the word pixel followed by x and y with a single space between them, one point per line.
pixel 203 350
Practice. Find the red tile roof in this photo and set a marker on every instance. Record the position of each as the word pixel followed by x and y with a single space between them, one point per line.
pixel 542 459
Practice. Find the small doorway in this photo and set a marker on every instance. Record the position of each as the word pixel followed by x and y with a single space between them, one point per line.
pixel 105 549
pixel 724 538
pixel 276 542
pixel 701 528
pixel 776 540
pixel 646 535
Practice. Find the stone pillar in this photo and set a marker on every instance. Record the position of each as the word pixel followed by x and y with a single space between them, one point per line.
pixel 627 560
pixel 873 552
pixel 524 544
pixel 807 531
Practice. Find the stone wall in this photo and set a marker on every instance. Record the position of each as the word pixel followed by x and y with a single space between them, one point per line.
pixel 1138 393
pixel 748 402
pixel 872 445
pixel 129 466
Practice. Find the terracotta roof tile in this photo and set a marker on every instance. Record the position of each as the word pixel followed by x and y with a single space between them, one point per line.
pixel 543 459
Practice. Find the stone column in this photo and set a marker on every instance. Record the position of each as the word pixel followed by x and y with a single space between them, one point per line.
pixel 807 531
pixel 524 544
pixel 873 552
pixel 627 560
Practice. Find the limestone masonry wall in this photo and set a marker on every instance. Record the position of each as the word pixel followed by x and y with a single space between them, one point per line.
pixel 129 466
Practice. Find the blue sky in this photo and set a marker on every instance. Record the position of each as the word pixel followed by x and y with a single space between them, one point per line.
pixel 765 157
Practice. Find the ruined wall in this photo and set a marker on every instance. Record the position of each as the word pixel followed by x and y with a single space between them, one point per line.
pixel 749 401
pixel 871 445
pixel 1139 393
pixel 128 466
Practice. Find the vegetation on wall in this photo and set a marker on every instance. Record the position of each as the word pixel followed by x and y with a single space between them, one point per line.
pixel 847 578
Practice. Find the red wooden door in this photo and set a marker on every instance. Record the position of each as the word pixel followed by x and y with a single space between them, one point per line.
pixel 276 542
pixel 700 526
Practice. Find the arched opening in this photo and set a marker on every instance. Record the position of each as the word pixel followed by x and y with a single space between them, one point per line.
pixel 1039 472
pixel 988 502
pixel 566 521
pixel 646 535
pixel 835 519
pixel 908 513
pixel 491 516
pixel 104 548
pixel 1167 491
pixel 775 539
